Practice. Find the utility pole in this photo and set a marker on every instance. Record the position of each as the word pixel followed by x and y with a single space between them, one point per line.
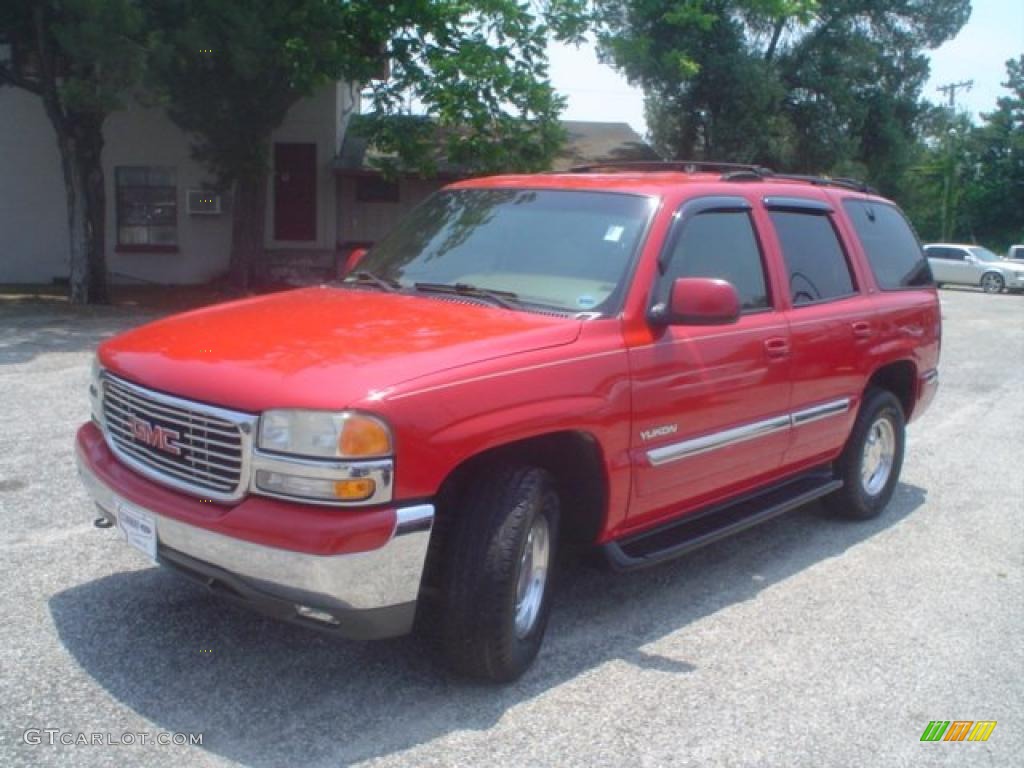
pixel 951 88
pixel 948 202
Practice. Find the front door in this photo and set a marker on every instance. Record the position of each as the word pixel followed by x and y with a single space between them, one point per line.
pixel 710 403
pixel 295 192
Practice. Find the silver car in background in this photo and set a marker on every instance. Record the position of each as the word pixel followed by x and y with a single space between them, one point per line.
pixel 959 264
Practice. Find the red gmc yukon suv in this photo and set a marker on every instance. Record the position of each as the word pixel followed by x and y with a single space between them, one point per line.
pixel 633 360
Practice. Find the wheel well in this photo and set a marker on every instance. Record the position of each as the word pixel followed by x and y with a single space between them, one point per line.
pixel 576 462
pixel 898 378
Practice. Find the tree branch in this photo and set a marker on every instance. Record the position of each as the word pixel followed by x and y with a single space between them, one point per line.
pixel 780 24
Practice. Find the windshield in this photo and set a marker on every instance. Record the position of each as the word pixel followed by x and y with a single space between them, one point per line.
pixel 984 254
pixel 565 249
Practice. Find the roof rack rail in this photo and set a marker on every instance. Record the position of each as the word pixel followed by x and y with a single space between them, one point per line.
pixel 685 166
pixel 729 171
pixel 828 181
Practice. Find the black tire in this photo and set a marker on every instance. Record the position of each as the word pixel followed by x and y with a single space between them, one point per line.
pixel 491 524
pixel 859 498
pixel 992 282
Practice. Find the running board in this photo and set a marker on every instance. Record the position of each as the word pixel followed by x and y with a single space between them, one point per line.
pixel 696 530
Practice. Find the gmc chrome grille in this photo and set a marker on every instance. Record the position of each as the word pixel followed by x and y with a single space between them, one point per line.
pixel 190 446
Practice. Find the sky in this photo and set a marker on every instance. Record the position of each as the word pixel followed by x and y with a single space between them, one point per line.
pixel 993 34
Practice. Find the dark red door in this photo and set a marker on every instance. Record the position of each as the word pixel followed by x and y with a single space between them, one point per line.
pixel 295 191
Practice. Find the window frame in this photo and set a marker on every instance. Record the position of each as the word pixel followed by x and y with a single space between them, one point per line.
pixel 711 204
pixel 819 208
pixel 148 247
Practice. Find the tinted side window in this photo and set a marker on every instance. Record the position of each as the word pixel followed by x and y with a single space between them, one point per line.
pixel 720 244
pixel 814 258
pixel 891 247
pixel 949 254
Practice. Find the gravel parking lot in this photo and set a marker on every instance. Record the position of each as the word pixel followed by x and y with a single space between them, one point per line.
pixel 806 641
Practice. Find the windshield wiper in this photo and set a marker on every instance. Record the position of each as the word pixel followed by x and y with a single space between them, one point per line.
pixel 505 299
pixel 368 278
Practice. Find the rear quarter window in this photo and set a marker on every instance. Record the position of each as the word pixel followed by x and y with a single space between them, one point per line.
pixel 892 248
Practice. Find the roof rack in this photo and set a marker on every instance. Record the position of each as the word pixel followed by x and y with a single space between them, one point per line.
pixel 684 166
pixel 827 181
pixel 729 171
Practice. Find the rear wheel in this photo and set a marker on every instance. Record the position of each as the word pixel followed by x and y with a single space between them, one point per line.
pixel 992 282
pixel 873 457
pixel 496 583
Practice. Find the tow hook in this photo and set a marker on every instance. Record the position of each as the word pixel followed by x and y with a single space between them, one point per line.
pixel 102 522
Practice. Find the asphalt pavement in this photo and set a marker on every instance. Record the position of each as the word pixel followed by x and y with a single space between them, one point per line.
pixel 808 641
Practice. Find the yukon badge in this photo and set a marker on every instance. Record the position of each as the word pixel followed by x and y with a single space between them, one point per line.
pixel 655 432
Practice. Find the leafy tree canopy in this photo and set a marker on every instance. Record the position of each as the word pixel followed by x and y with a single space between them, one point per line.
pixel 809 85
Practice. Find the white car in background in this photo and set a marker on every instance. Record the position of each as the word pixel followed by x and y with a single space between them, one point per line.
pixel 959 264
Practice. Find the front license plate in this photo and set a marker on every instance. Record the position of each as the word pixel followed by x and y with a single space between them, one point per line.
pixel 138 528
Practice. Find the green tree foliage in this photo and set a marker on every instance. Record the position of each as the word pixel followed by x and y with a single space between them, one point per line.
pixel 80 58
pixel 966 181
pixel 994 195
pixel 803 85
pixel 231 69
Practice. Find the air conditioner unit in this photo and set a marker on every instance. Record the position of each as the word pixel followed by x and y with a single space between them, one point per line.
pixel 202 202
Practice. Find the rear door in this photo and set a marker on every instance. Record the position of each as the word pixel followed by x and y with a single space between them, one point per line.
pixel 831 323
pixel 949 265
pixel 710 402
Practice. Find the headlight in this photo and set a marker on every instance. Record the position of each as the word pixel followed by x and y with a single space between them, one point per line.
pixel 324 434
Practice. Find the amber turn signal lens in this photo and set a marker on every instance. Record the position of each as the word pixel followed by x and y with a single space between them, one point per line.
pixel 355 490
pixel 364 436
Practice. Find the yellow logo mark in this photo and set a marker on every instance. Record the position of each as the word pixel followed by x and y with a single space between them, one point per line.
pixel 982 730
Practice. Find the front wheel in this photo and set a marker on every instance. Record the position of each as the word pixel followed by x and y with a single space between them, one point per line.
pixel 992 282
pixel 873 457
pixel 497 578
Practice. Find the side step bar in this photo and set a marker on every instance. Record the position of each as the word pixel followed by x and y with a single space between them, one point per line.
pixel 698 529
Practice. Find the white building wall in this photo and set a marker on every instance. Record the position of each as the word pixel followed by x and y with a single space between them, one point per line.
pixel 145 136
pixel 33 210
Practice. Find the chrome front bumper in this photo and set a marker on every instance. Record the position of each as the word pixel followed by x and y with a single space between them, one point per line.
pixel 360 595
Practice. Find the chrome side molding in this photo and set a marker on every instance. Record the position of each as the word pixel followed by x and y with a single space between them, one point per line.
pixel 712 442
pixel 823 411
pixel 683 449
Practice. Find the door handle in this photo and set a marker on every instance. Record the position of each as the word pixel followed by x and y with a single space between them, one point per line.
pixel 776 348
pixel 862 329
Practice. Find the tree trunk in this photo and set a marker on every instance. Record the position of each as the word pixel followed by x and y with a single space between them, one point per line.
pixel 86 200
pixel 248 215
pixel 80 141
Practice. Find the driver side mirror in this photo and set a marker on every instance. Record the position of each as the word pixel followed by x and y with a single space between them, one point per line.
pixel 354 257
pixel 698 301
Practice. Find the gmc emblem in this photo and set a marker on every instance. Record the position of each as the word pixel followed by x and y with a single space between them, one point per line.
pixel 156 436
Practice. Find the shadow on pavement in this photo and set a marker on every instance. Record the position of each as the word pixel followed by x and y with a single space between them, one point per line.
pixel 267 694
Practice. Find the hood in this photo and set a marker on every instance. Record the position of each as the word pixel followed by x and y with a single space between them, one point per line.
pixel 1011 265
pixel 320 347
